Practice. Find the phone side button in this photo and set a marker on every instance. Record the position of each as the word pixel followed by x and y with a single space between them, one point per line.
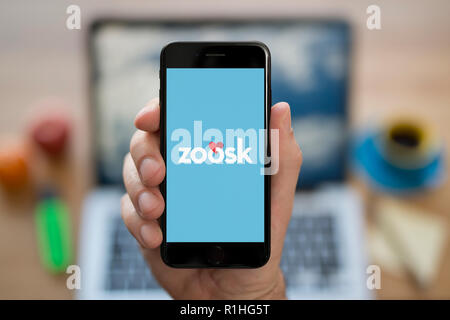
pixel 215 255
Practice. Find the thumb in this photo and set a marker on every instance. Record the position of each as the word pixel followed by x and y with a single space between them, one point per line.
pixel 284 181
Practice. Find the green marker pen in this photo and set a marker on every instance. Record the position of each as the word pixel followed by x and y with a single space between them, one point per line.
pixel 53 232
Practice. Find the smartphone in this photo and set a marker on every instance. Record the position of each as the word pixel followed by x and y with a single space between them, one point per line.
pixel 215 99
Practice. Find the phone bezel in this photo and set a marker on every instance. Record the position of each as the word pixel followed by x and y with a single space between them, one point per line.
pixel 216 55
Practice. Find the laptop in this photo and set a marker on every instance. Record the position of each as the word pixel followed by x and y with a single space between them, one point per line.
pixel 323 255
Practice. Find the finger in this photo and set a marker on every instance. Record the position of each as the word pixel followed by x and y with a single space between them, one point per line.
pixel 144 149
pixel 284 182
pixel 147 233
pixel 148 118
pixel 148 202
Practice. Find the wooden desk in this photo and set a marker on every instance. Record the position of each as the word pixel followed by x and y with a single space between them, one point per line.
pixel 403 68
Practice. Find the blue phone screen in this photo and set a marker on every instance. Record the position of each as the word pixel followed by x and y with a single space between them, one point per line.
pixel 214 156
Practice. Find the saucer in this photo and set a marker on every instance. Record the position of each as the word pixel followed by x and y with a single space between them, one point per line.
pixel 384 175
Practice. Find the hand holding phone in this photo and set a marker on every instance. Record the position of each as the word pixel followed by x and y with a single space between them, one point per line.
pixel 142 206
pixel 215 99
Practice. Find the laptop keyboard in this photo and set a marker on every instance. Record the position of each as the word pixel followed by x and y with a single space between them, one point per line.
pixel 310 256
pixel 127 268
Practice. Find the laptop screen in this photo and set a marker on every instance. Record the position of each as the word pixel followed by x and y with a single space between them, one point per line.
pixel 310 71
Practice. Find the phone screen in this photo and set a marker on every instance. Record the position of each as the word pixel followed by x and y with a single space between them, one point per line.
pixel 215 154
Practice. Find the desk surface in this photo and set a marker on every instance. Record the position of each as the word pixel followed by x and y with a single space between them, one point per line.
pixel 403 68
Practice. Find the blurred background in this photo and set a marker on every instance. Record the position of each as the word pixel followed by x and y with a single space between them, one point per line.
pixel 371 111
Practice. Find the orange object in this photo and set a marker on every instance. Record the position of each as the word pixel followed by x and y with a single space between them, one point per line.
pixel 14 173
